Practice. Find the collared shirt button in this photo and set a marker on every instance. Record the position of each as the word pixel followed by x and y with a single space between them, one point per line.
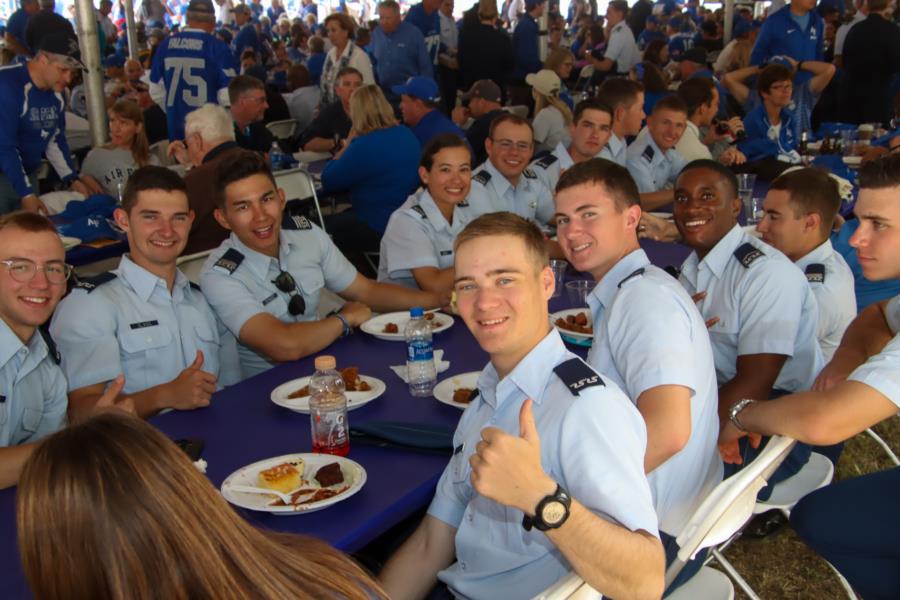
pixel 462 565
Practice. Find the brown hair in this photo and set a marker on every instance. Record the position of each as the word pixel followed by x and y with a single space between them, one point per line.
pixel 140 147
pixel 695 93
pixel 880 174
pixel 590 104
pixel 242 84
pixel 345 21
pixel 619 92
pixel 487 9
pixel 556 58
pixel 672 102
pixel 441 142
pixel 151 177
pixel 614 178
pixel 27 221
pixel 772 74
pixel 653 51
pixel 508 117
pixel 237 167
pixel 811 190
pixel 131 517
pixel 370 110
pixel 507 223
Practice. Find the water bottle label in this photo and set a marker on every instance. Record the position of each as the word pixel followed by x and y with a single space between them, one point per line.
pixel 419 350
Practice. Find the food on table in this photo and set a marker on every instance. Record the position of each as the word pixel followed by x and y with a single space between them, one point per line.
pixel 463 395
pixel 390 328
pixel 577 323
pixel 352 382
pixel 330 474
pixel 429 316
pixel 282 478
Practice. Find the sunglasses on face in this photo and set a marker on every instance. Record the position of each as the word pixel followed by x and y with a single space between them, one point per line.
pixel 285 283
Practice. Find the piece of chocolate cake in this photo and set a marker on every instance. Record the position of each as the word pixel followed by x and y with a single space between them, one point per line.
pixel 329 475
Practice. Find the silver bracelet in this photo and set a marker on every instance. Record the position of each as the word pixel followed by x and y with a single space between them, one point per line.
pixel 736 409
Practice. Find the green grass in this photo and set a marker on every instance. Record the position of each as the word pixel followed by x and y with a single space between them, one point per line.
pixel 781 566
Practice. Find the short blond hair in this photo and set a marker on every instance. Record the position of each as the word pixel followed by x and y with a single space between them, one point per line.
pixel 370 110
pixel 507 223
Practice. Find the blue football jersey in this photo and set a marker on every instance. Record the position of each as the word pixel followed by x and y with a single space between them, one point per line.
pixel 192 66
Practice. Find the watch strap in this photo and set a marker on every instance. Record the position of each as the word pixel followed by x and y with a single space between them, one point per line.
pixel 537 521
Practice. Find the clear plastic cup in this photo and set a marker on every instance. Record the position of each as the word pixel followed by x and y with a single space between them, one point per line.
pixel 559 272
pixel 578 291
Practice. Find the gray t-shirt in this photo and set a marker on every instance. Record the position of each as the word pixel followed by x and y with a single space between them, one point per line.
pixel 110 166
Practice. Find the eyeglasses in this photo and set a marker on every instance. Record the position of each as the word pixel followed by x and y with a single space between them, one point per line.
pixel 285 283
pixel 507 145
pixel 23 270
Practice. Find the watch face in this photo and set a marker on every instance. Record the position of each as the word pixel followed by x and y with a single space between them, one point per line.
pixel 553 513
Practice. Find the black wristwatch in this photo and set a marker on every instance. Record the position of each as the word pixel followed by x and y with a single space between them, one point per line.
pixel 551 512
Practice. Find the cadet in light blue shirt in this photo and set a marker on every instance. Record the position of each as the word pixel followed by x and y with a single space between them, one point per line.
pixel 626 100
pixel 417 247
pixel 145 319
pixel 265 280
pixel 504 182
pixel 653 161
pixel 547 470
pixel 649 338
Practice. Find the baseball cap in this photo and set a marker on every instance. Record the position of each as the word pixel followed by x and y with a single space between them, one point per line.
pixel 241 8
pixel 64 44
pixel 114 60
pixel 695 54
pixel 484 89
pixel 423 88
pixel 201 6
pixel 545 81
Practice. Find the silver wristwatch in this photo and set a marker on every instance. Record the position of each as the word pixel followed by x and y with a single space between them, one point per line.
pixel 736 409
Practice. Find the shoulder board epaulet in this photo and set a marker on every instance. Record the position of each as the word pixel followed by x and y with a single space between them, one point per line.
pixel 89 284
pixel 419 210
pixel 577 375
pixel 482 177
pixel 635 273
pixel 747 253
pixel 529 174
pixel 815 273
pixel 231 260
pixel 194 286
pixel 295 222
pixel 51 345
pixel 648 153
pixel 545 162
pixel 673 271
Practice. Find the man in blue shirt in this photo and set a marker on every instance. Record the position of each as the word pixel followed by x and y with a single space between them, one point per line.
pixel 796 31
pixel 419 98
pixel 425 16
pixel 398 48
pixel 525 41
pixel 32 123
pixel 247 36
pixel 191 68
pixel 16 24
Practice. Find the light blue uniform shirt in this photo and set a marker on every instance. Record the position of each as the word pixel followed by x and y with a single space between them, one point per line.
pixel 765 307
pixel 592 443
pixel 492 192
pixel 550 167
pixel 131 324
pixel 832 283
pixel 647 333
pixel 882 371
pixel 651 168
pixel 622 48
pixel 32 387
pixel 615 150
pixel 417 236
pixel 248 289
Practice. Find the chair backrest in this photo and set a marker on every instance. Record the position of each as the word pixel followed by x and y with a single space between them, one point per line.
pixel 519 110
pixel 160 149
pixel 283 130
pixel 729 505
pixel 570 587
pixel 297 183
pixel 190 265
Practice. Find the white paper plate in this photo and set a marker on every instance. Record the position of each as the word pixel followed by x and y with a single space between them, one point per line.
pixel 375 325
pixel 572 334
pixel 444 390
pixel 354 476
pixel 662 215
pixel 853 161
pixel 301 405
pixel 69 242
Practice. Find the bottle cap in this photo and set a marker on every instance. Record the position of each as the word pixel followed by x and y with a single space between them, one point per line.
pixel 325 362
pixel 416 311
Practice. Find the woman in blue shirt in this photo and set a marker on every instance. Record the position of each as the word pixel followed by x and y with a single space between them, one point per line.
pixel 377 165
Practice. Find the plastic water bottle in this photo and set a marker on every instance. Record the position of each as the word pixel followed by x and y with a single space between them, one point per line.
pixel 328 409
pixel 276 157
pixel 421 373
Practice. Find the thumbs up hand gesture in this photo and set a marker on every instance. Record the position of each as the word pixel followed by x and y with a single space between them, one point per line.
pixel 507 469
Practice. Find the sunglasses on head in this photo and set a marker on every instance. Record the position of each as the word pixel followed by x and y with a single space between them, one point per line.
pixel 285 283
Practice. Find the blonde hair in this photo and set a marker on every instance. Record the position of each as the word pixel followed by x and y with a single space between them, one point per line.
pixel 507 223
pixel 556 58
pixel 370 110
pixel 140 147
pixel 111 508
pixel 543 100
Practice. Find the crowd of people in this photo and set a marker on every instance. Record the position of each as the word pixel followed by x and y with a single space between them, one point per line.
pixel 464 163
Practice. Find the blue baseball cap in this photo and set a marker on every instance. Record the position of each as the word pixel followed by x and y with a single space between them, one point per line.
pixel 114 60
pixel 423 88
pixel 652 19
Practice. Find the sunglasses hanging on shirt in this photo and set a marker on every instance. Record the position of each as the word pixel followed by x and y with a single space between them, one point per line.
pixel 285 283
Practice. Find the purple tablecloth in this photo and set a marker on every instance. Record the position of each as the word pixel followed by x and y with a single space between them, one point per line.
pixel 242 426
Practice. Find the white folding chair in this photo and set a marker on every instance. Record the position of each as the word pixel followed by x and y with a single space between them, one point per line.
pixel 887 449
pixel 190 265
pixel 283 130
pixel 160 149
pixel 519 110
pixel 570 587
pixel 298 184
pixel 718 519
